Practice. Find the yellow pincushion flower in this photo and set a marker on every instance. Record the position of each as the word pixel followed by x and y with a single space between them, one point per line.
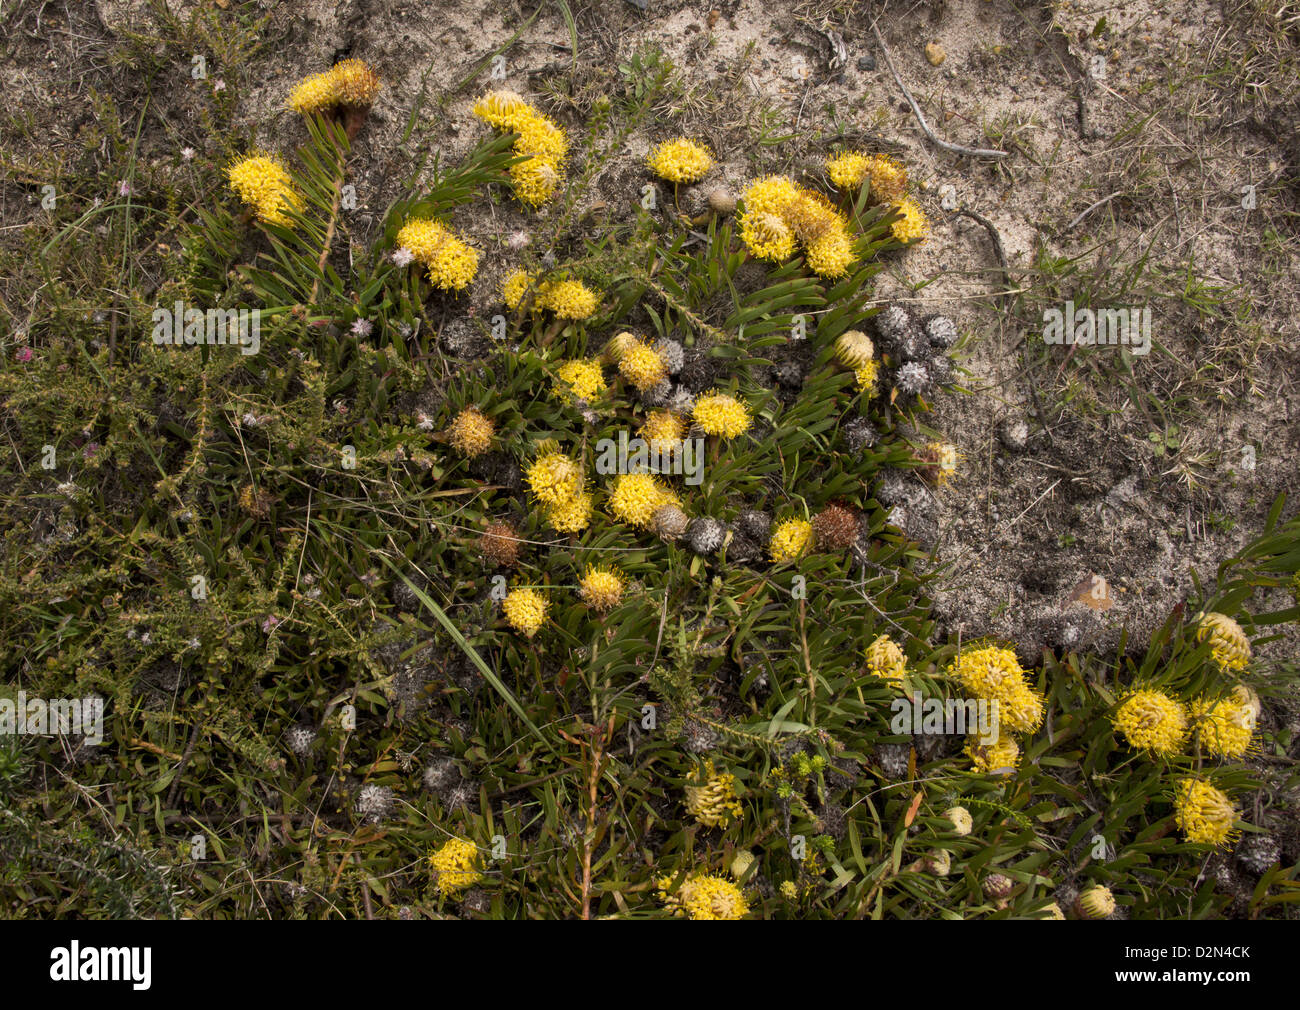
pixel 500 108
pixel 456 866
pixel 854 349
pixel 525 610
pixel 535 180
pixel 994 674
pixel 422 237
pixel 263 183
pixel 600 588
pixel 680 160
pixel 1151 720
pixel 770 195
pixel 1229 646
pixel 1203 813
pixel 791 539
pixel 704 897
pixel 471 432
pixel 568 299
pixel 554 479
pixel 847 170
pixel 1004 753
pixel 867 376
pixel 711 799
pixel 540 139
pixel 642 366
pixel 719 414
pixel 832 254
pixel 617 346
pixel 571 516
pixel 637 496
pixel 885 659
pixel 313 94
pixel 663 430
pixel 767 237
pixel 811 216
pixel 888 179
pixel 912 225
pixel 452 263
pixel 1223 727
pixel 1096 902
pixel 515 286
pixel 580 380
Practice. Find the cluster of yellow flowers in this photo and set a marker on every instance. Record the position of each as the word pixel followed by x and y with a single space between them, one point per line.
pixel 470 432
pixel 791 539
pixel 600 588
pixel 994 675
pixel 663 431
pixel 639 363
pixel 558 484
pixel 711 799
pixel 1152 720
pixel 885 659
pixel 456 866
pixel 704 897
pixel 886 180
pixel 525 610
pixel 348 84
pixel 636 498
pixel 262 182
pixel 579 379
pixel 680 160
pixel 452 263
pixel 567 299
pixel 781 217
pixel 541 142
pixel 1229 646
pixel 1204 814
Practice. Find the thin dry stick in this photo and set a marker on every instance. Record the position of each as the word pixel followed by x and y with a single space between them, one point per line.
pixel 976 152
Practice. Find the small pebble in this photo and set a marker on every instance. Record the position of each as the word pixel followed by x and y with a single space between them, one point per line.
pixel 867 62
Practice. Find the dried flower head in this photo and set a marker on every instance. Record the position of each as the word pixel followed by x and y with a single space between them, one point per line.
pixel 835 528
pixel 500 544
pixel 680 160
pixel 525 610
pixel 938 461
pixel 456 866
pixel 669 522
pixel 471 432
pixel 1151 720
pixel 888 179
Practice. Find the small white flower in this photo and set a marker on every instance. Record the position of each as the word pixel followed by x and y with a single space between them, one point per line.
pixel 362 328
pixel 187 153
pixel 218 85
pixel 423 421
pixel 250 420
pixel 403 257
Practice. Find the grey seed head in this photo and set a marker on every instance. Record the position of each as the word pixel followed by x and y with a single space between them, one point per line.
pixel 682 400
pixel 941 332
pixel 1014 433
pixel 893 759
pixel 672 354
pixel 441 773
pixel 1258 852
pixel 861 434
pixel 698 738
pixel 705 534
pixel 892 322
pixel 941 370
pixel 374 803
pixel 895 488
pixel 912 378
pixel 755 524
pixel 669 522
pixel 658 395
pixel 300 738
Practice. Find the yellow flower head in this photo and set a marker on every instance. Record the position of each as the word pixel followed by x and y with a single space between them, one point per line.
pixel 680 160
pixel 349 83
pixel 618 345
pixel 471 433
pixel 867 376
pixel 263 183
pixel 885 659
pixel 536 180
pixel 554 479
pixel 888 179
pixel 770 195
pixel 704 897
pixel 811 216
pixel 912 225
pixel 500 108
pixel 571 516
pixel 962 822
pixel 1203 813
pixel 791 539
pixel 1095 902
pixel 540 139
pixel 847 170
pixel 719 414
pixel 515 286
pixel 994 674
pixel 1002 754
pixel 1151 720
pixel 579 380
pixel 456 866
pixel 766 236
pixel 600 588
pixel 451 262
pixel 711 799
pixel 525 610
pixel 832 254
pixel 854 349
pixel 637 496
pixel 664 431
pixel 642 366
pixel 568 299
pixel 1229 646
pixel 313 94
pixel 1223 728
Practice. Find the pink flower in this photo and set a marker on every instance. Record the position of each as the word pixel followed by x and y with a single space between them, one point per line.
pixel 123 188
pixel 24 354
pixel 270 623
